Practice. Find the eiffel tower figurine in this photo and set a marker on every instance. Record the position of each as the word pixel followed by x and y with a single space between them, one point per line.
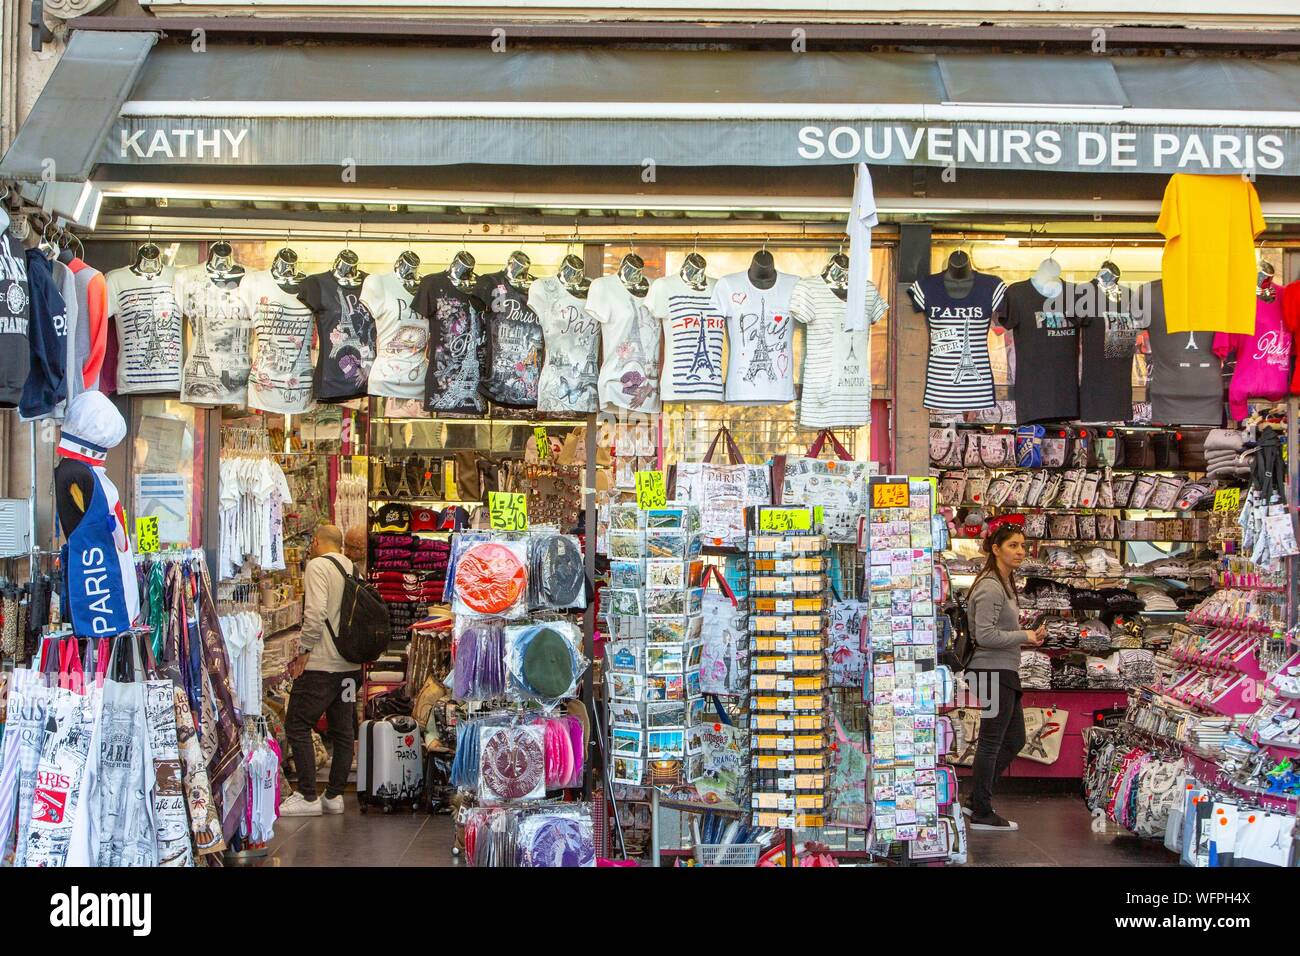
pixel 701 361
pixel 200 378
pixel 967 367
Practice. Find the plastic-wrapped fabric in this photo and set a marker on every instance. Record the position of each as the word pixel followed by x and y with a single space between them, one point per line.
pixel 557 578
pixel 464 767
pixel 479 672
pixel 563 838
pixel 563 741
pixel 491 578
pixel 512 764
pixel 544 660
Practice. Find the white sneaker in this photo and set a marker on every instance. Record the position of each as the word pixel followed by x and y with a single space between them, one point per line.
pixel 332 804
pixel 296 805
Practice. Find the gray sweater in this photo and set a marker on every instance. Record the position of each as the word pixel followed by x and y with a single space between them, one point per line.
pixel 322 584
pixel 995 624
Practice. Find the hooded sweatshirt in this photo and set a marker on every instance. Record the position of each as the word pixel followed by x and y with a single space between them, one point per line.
pixel 15 313
pixel 46 386
pixel 1263 357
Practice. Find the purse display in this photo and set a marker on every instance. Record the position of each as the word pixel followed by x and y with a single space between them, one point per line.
pixel 1138 451
pixel 1167 492
pixel 977 483
pixel 1036 525
pixel 952 488
pixel 946 447
pixel 996 450
pixel 1057 449
pixel 1029 446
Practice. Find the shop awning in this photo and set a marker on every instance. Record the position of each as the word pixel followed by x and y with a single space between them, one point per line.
pixel 62 137
pixel 355 106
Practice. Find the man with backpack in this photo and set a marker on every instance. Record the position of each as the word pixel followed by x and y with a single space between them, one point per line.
pixel 325 681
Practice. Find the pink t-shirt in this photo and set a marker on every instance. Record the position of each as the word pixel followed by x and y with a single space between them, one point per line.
pixel 1263 359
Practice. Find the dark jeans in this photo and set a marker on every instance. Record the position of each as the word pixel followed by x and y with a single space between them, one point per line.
pixel 1002 735
pixel 315 693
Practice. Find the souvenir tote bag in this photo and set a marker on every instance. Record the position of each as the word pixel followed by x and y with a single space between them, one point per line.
pixel 64 794
pixel 838 486
pixel 722 492
pixel 847 663
pixel 125 824
pixel 724 635
pixel 1044 729
pixel 847 804
pixel 23 733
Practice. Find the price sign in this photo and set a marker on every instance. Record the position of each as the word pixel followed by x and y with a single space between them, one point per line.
pixel 508 511
pixel 819 514
pixel 784 519
pixel 146 534
pixel 651 490
pixel 890 494
pixel 543 443
pixel 1227 499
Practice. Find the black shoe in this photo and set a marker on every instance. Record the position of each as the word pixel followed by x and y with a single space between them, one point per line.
pixel 992 821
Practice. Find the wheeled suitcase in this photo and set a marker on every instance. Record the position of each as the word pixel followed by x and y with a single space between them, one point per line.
pixel 389 770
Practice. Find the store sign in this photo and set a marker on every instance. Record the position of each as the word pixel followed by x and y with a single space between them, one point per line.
pixel 784 519
pixel 890 494
pixel 508 511
pixel 608 141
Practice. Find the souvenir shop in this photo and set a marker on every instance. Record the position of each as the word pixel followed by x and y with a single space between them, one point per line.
pixel 672 493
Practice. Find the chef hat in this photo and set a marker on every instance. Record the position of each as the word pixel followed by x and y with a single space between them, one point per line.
pixel 92 426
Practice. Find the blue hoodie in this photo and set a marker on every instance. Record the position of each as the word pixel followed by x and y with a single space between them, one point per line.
pixel 48 333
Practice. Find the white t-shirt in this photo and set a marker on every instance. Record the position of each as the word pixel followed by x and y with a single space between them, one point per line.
pixel 629 374
pixel 572 336
pixel 693 337
pixel 148 320
pixel 401 337
pixel 280 373
pixel 760 338
pixel 216 360
pixel 836 363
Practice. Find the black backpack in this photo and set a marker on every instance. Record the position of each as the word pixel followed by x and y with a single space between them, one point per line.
pixel 364 628
pixel 959 653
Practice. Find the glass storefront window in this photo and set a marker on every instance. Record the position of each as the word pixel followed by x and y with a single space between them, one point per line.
pixel 166 468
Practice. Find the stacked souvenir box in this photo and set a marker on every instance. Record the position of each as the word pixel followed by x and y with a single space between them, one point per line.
pixel 653 615
pixel 900 636
pixel 787 668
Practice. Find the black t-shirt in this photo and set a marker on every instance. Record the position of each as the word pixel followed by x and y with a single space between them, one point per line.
pixel 15 314
pixel 1047 355
pixel 515 348
pixel 1108 330
pixel 455 345
pixel 345 337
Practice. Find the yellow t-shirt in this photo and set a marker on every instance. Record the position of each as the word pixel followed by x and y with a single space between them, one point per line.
pixel 1210 224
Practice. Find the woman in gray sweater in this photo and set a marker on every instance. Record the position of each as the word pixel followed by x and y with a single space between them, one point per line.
pixel 994 672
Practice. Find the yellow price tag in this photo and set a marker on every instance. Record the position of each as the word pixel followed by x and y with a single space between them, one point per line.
pixel 890 494
pixel 819 514
pixel 784 519
pixel 651 490
pixel 543 443
pixel 1227 499
pixel 508 510
pixel 146 534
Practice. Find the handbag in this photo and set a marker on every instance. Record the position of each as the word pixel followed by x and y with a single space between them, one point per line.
pixel 999 413
pixel 1193 493
pixel 977 484
pixel 1062 527
pixel 838 486
pixel 1088 488
pixel 1057 449
pixel 1164 450
pixel 1034 493
pixel 1105 528
pixel 1029 446
pixel 946 447
pixel 1123 489
pixel 1071 482
pixel 1036 525
pixel 1106 490
pixel 952 488
pixel 1087 527
pixel 722 492
pixel 1051 489
pixel 1167 491
pixel 970 455
pixel 968 733
pixel 1138 452
pixel 1044 729
pixel 1143 487
pixel 1020 483
pixel 1104 449
pixel 1000 489
pixel 1191 447
pixel 996 450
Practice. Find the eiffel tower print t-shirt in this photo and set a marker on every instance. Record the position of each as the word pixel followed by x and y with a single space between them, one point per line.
pixel 760 338
pixel 401 338
pixel 345 336
pixel 280 372
pixel 629 372
pixel 957 373
pixel 836 363
pixel 693 337
pixel 572 338
pixel 148 322
pixel 455 345
pixel 217 319
pixel 514 343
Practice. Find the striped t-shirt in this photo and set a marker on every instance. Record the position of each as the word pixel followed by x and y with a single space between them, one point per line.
pixel 148 321
pixel 693 336
pixel 957 374
pixel 837 363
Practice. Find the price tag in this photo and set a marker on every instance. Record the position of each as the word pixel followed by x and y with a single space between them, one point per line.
pixel 785 567
pixel 508 510
pixel 543 443
pixel 819 514
pixel 785 823
pixel 146 534
pixel 785 703
pixel 786 725
pixel 785 687
pixel 890 494
pixel 651 490
pixel 785 763
pixel 785 647
pixel 784 625
pixel 785 666
pixel 784 519
pixel 784 606
pixel 785 743
pixel 1227 499
pixel 785 783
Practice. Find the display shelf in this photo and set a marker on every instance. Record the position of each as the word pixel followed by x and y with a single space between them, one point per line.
pixel 1153 514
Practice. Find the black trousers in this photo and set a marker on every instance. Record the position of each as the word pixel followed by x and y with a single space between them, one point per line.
pixel 334 695
pixel 1002 734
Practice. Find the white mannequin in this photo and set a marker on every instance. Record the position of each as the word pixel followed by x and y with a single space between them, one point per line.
pixel 1047 280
